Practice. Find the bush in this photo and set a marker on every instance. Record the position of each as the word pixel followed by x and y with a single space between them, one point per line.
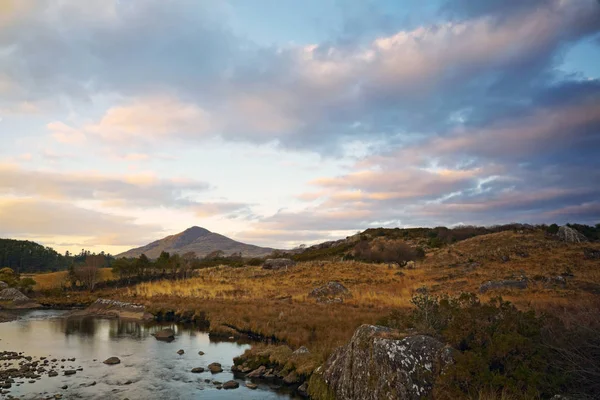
pixel 500 349
pixel 382 250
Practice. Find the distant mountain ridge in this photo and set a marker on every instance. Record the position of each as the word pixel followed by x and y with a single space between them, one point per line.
pixel 199 240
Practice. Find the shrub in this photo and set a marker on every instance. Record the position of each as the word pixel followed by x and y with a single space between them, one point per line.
pixel 500 349
pixel 382 250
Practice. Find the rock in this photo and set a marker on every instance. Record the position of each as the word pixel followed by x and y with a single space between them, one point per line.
pixel 570 235
pixel 332 292
pixel 200 353
pixel 106 308
pixel 112 361
pixel 215 368
pixel 180 352
pixel 3 285
pixel 301 350
pixel 197 370
pixel 16 298
pixel 591 254
pixel 291 378
pixel 231 385
pixel 258 372
pixel 70 372
pixel 64 387
pixel 375 366
pixel 503 284
pixel 52 374
pixel 251 385
pixel 165 334
pixel 303 389
pixel 278 263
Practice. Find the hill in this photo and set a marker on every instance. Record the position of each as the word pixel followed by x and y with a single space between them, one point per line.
pixel 198 240
pixel 24 256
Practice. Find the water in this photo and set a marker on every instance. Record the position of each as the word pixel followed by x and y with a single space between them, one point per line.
pixel 154 367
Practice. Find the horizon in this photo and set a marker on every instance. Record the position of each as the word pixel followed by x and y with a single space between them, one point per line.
pixel 278 124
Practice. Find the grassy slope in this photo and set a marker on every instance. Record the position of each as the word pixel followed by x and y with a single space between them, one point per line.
pixel 276 302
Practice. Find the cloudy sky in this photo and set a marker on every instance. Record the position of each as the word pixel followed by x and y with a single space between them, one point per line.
pixel 279 122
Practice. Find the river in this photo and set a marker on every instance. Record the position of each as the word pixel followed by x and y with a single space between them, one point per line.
pixel 149 369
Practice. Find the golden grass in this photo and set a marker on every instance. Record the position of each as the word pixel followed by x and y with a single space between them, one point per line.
pixel 276 302
pixel 54 280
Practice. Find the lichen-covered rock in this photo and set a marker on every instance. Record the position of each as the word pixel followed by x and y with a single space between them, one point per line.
pixel 376 366
pixel 278 263
pixel 301 350
pixel 106 308
pixel 503 284
pixel 12 294
pixel 332 292
pixel 570 235
pixel 3 285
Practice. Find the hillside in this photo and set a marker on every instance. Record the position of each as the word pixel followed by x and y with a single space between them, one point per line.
pixel 24 256
pixel 198 240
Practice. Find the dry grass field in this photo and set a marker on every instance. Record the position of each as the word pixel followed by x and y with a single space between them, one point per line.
pixel 277 302
pixel 54 280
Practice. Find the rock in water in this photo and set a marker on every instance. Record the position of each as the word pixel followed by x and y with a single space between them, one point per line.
pixel 374 366
pixel 570 235
pixel 112 361
pixel 197 370
pixel 165 334
pixel 231 385
pixel 278 263
pixel 215 368
pixel 180 352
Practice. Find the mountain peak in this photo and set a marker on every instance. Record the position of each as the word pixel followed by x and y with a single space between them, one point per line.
pixel 198 240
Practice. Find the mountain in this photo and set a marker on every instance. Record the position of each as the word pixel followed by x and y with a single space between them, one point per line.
pixel 199 240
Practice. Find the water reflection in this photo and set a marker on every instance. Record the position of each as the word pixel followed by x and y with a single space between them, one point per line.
pixel 153 368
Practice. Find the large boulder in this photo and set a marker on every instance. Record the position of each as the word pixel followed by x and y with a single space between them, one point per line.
pixel 570 235
pixel 278 263
pixel 331 292
pixel 375 366
pixel 12 294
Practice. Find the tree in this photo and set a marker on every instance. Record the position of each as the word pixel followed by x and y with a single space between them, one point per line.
pixel 88 273
pixel 188 260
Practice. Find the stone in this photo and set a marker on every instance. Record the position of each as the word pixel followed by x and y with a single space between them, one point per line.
pixel 303 389
pixel 3 285
pixel 258 372
pixel 231 385
pixel 570 235
pixel 70 372
pixel 278 263
pixel 180 352
pixel 200 353
pixel 331 292
pixel 291 378
pixel 503 284
pixel 165 334
pixel 197 370
pixel 374 365
pixel 591 254
pixel 301 350
pixel 12 294
pixel 215 368
pixel 112 361
pixel 251 385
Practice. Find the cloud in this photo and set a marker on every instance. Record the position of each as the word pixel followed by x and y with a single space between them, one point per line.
pixel 119 191
pixel 21 217
pixel 63 133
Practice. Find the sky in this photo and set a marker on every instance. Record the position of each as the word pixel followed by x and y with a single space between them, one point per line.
pixel 280 123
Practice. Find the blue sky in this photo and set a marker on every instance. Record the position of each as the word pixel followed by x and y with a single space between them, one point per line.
pixel 282 122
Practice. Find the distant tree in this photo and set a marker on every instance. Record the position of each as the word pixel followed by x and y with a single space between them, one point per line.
pixel 142 265
pixel 187 264
pixel 88 273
